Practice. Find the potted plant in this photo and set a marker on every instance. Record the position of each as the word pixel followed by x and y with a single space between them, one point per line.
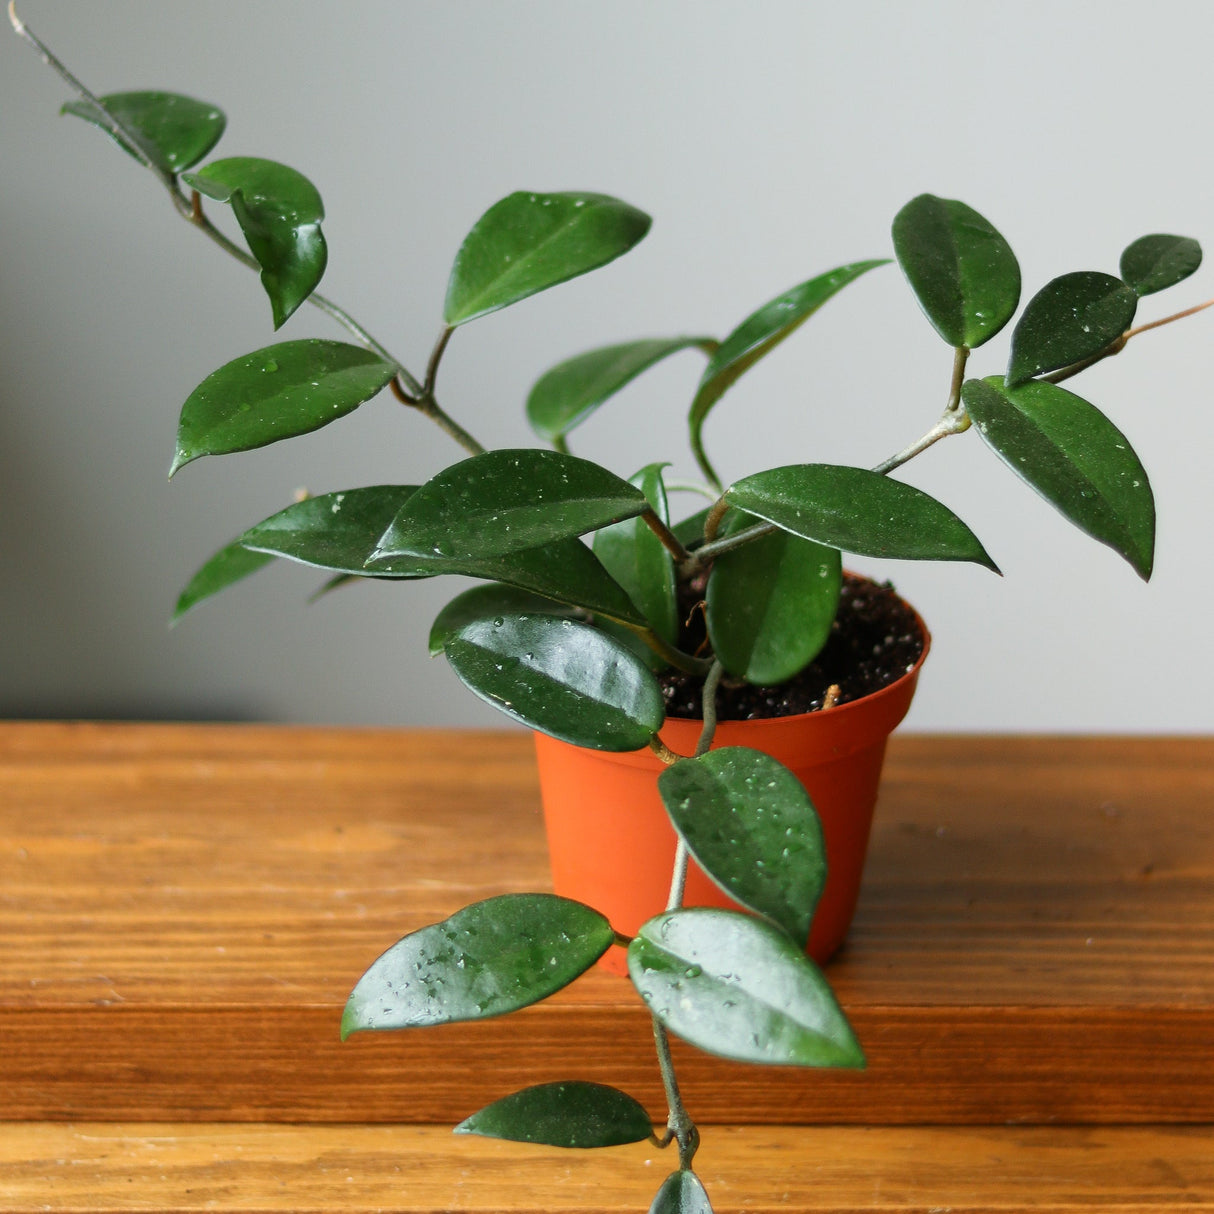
pixel 591 644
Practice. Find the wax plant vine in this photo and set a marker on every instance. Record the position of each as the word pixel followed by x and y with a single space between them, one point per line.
pixel 569 637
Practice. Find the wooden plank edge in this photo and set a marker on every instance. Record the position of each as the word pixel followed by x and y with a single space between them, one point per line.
pixel 228 1169
pixel 927 1065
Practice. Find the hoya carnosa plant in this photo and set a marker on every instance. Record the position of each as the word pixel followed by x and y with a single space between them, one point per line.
pixel 570 636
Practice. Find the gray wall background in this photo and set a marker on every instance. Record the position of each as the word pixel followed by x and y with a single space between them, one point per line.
pixel 770 141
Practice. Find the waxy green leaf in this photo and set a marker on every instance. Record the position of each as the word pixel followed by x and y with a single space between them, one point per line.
pixel 737 986
pixel 279 211
pixel 490 958
pixel 1074 457
pixel 761 332
pixel 962 271
pixel 563 678
pixel 639 561
pixel 858 511
pixel 1154 263
pixel 570 392
pixel 569 1114
pixel 487 602
pixel 566 571
pixel 528 242
pixel 1068 320
pixel 681 1193
pixel 291 388
pixel 172 131
pixel 335 531
pixel 230 564
pixel 753 829
pixel 771 603
pixel 502 501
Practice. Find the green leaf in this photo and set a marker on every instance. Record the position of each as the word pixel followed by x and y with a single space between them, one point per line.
pixel 292 388
pixel 502 501
pixel 962 271
pixel 753 829
pixel 858 511
pixel 761 332
pixel 172 131
pixel 771 603
pixel 528 242
pixel 279 212
pixel 739 987
pixel 566 571
pixel 681 1193
pixel 570 392
pixel 1068 320
pixel 335 531
pixel 228 565
pixel 1074 457
pixel 638 560
pixel 569 1114
pixel 487 602
pixel 563 678
pixel 490 958
pixel 1154 263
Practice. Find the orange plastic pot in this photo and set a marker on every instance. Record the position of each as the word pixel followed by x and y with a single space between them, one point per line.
pixel 612 845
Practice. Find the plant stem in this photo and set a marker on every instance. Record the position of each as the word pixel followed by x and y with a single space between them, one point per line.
pixel 705 554
pixel 708 708
pixel 190 208
pixel 950 423
pixel 679 1122
pixel 663 751
pixel 1114 347
pixel 954 420
pixel 682 1128
pixel 1119 344
pixel 712 520
pixel 670 541
pixel 668 653
pixel 1167 320
pixel 117 130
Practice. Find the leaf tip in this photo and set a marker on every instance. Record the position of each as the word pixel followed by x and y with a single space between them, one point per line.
pixel 350 1023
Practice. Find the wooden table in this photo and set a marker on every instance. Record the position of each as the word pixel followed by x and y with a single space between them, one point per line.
pixel 183 910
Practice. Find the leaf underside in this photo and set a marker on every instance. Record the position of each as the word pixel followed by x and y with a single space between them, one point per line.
pixel 737 986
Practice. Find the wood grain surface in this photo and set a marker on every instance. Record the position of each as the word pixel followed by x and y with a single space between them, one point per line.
pixel 962 1170
pixel 183 910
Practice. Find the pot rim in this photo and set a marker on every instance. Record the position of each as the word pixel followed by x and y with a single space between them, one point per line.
pixel 801 739
pixel 889 691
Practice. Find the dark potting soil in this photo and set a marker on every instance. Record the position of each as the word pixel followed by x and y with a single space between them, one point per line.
pixel 874 641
